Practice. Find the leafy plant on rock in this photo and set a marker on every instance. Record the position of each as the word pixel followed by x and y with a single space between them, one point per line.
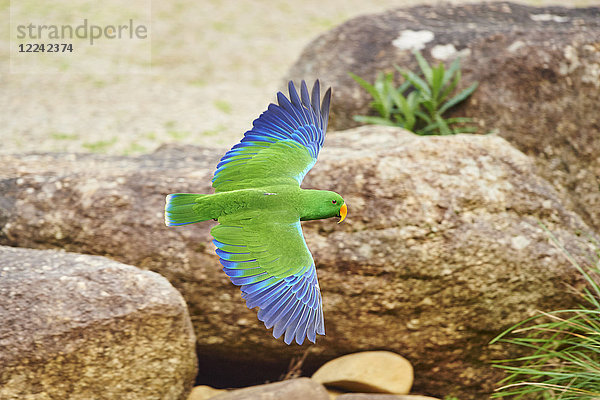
pixel 419 103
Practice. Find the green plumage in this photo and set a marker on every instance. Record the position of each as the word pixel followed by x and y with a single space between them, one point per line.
pixel 297 203
pixel 259 204
pixel 269 215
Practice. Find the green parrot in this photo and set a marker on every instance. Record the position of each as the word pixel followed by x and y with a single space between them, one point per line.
pixel 259 205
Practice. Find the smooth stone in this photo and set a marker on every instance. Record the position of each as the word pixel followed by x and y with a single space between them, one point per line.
pixel 291 389
pixel 369 371
pixel 204 392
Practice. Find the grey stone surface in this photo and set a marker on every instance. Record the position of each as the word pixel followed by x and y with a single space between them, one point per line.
pixel 538 71
pixel 292 389
pixel 85 327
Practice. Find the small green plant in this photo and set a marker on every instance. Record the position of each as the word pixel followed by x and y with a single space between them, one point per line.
pixel 419 103
pixel 178 135
pixel 101 146
pixel 394 108
pixel 134 148
pixel 564 358
pixel 223 106
pixel 64 136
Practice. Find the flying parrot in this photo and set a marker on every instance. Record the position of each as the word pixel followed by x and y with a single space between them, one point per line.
pixel 259 204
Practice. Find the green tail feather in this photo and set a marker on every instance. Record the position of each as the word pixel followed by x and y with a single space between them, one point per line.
pixel 183 209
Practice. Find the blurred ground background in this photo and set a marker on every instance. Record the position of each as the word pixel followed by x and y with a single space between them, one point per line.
pixel 216 64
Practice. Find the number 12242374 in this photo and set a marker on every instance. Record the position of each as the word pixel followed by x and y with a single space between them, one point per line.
pixel 46 48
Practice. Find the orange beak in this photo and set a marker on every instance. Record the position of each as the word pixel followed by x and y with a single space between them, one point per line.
pixel 343 212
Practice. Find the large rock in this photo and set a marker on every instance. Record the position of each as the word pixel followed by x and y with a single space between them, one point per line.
pixel 368 371
pixel 292 389
pixel 538 71
pixel 441 251
pixel 85 327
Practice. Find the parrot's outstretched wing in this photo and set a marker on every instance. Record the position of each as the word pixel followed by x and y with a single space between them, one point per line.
pixel 282 145
pixel 268 258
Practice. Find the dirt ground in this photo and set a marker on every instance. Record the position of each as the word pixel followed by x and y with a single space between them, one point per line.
pixel 215 66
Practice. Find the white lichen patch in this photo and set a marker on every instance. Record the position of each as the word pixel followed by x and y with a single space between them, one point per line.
pixel 365 251
pixel 443 51
pixel 470 171
pixel 548 18
pixel 516 45
pixel 519 242
pixel 591 70
pixel 571 61
pixel 592 74
pixel 413 40
pixel 446 51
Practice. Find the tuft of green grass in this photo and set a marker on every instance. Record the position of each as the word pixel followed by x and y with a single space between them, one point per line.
pixel 563 361
pixel 223 106
pixel 151 135
pixel 99 83
pixel 100 146
pixel 222 26
pixel 419 103
pixel 134 148
pixel 198 82
pixel 64 136
pixel 170 127
pixel 178 135
pixel 214 131
pixel 324 22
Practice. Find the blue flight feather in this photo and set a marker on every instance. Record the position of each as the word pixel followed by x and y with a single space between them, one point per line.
pixel 302 119
pixel 292 305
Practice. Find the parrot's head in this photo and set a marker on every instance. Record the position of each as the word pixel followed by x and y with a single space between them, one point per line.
pixel 324 204
pixel 343 209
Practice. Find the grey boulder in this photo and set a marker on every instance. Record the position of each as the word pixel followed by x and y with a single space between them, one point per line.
pixel 538 70
pixel 292 389
pixel 85 327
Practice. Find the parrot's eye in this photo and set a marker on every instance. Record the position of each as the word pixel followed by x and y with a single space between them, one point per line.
pixel 334 201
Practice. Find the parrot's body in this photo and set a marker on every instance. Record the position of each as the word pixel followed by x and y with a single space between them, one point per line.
pixel 259 205
pixel 295 202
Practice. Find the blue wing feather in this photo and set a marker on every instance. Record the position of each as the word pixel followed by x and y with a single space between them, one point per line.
pixel 296 294
pixel 292 305
pixel 301 118
pixel 306 102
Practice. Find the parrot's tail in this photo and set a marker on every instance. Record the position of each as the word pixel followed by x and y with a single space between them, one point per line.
pixel 185 208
